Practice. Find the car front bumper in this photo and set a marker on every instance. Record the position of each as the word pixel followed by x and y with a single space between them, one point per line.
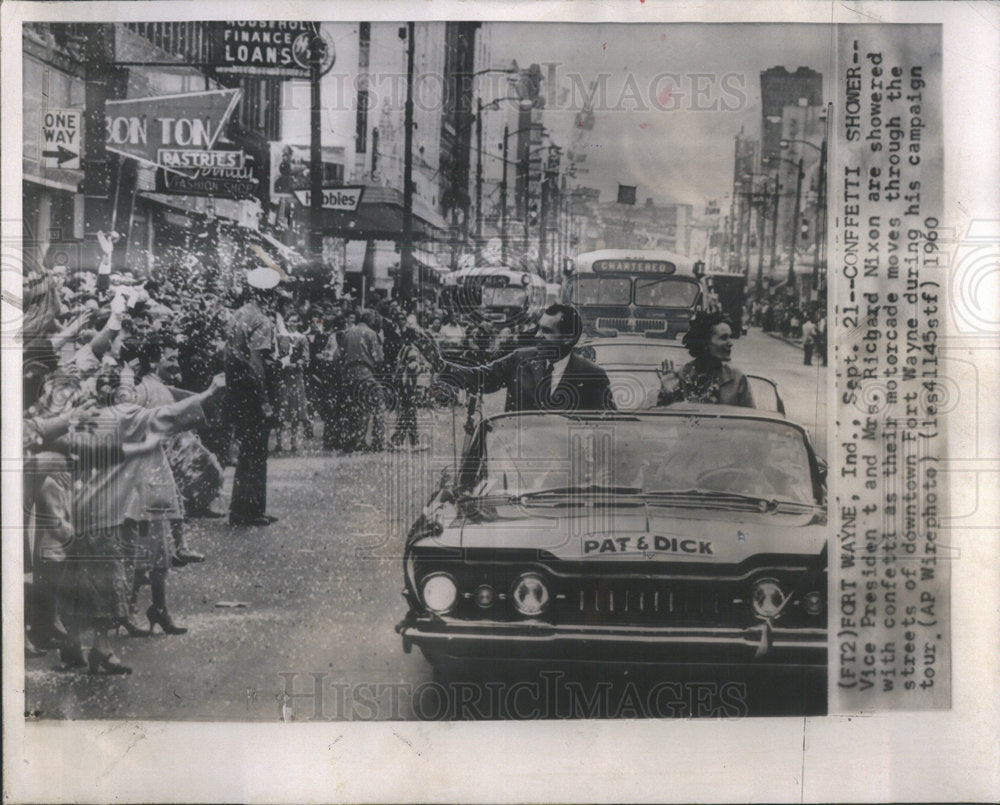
pixel 761 644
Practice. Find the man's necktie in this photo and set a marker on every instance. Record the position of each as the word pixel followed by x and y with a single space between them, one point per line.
pixel 544 391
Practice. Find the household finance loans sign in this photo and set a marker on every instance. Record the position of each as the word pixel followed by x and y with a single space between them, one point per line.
pixel 266 47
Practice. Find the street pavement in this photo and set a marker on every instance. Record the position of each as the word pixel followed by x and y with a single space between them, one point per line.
pixel 296 621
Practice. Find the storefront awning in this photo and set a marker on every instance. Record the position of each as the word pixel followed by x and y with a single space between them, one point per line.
pixel 379 217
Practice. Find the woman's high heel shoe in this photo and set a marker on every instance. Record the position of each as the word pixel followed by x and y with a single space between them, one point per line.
pixel 131 628
pixel 101 663
pixel 162 618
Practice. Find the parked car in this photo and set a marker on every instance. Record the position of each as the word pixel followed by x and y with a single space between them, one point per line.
pixel 690 533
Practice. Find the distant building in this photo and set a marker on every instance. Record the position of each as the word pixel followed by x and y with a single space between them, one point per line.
pixel 778 89
pixel 649 226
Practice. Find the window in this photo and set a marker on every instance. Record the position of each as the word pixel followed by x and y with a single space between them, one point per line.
pixel 601 290
pixel 665 292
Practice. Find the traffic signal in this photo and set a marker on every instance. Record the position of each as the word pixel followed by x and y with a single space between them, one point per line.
pixel 533 211
pixel 804 229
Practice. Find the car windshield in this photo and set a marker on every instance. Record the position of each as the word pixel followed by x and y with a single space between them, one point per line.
pixel 665 292
pixel 611 352
pixel 659 457
pixel 614 291
pixel 511 296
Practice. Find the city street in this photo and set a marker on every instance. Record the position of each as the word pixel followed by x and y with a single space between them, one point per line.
pixel 309 604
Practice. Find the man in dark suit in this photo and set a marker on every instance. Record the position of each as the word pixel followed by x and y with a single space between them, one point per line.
pixel 546 377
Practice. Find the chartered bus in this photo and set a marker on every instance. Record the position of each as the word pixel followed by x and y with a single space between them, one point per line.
pixel 649 292
pixel 501 296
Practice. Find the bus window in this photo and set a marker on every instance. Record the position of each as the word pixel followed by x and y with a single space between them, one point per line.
pixel 665 292
pixel 601 290
pixel 512 296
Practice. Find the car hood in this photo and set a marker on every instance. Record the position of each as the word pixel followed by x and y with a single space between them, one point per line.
pixel 625 534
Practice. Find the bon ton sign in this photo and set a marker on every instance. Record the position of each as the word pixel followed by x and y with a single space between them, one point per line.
pixel 180 135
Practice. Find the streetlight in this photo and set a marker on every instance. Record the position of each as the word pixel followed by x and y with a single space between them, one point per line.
pixel 480 108
pixel 821 197
pixel 756 198
pixel 503 189
pixel 800 175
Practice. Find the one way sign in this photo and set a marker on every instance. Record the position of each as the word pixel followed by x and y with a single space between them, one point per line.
pixel 62 130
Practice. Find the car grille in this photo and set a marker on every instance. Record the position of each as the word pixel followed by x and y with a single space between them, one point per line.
pixel 636 326
pixel 650 602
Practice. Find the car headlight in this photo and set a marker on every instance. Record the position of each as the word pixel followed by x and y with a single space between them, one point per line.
pixel 767 598
pixel 530 596
pixel 439 593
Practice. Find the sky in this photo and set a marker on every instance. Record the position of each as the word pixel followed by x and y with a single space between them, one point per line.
pixel 655 130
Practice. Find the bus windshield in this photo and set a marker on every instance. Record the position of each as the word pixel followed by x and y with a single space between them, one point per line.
pixel 511 296
pixel 665 292
pixel 601 290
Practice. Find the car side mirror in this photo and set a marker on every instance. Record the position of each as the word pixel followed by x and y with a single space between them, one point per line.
pixel 822 469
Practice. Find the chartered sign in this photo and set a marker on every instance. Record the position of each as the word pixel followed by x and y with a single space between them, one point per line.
pixel 633 267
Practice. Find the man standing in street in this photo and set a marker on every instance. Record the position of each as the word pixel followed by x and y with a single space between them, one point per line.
pixel 548 376
pixel 362 356
pixel 249 346
pixel 808 340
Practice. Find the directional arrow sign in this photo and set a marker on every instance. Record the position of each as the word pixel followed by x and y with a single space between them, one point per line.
pixel 334 198
pixel 61 156
pixel 62 130
pixel 140 127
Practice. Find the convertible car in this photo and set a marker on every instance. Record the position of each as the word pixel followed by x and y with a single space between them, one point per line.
pixel 685 534
pixel 635 365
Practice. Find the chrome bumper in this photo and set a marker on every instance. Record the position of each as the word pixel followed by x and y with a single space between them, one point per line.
pixel 758 644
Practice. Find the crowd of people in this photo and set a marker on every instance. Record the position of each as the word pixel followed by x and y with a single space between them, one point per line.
pixel 140 387
pixel 793 321
pixel 129 422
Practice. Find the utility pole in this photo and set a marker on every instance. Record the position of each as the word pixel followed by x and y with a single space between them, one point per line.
pixel 525 172
pixel 316 46
pixel 542 224
pixel 761 199
pixel 820 215
pixel 406 250
pixel 503 201
pixel 479 173
pixel 747 227
pixel 795 224
pixel 774 232
pixel 99 52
